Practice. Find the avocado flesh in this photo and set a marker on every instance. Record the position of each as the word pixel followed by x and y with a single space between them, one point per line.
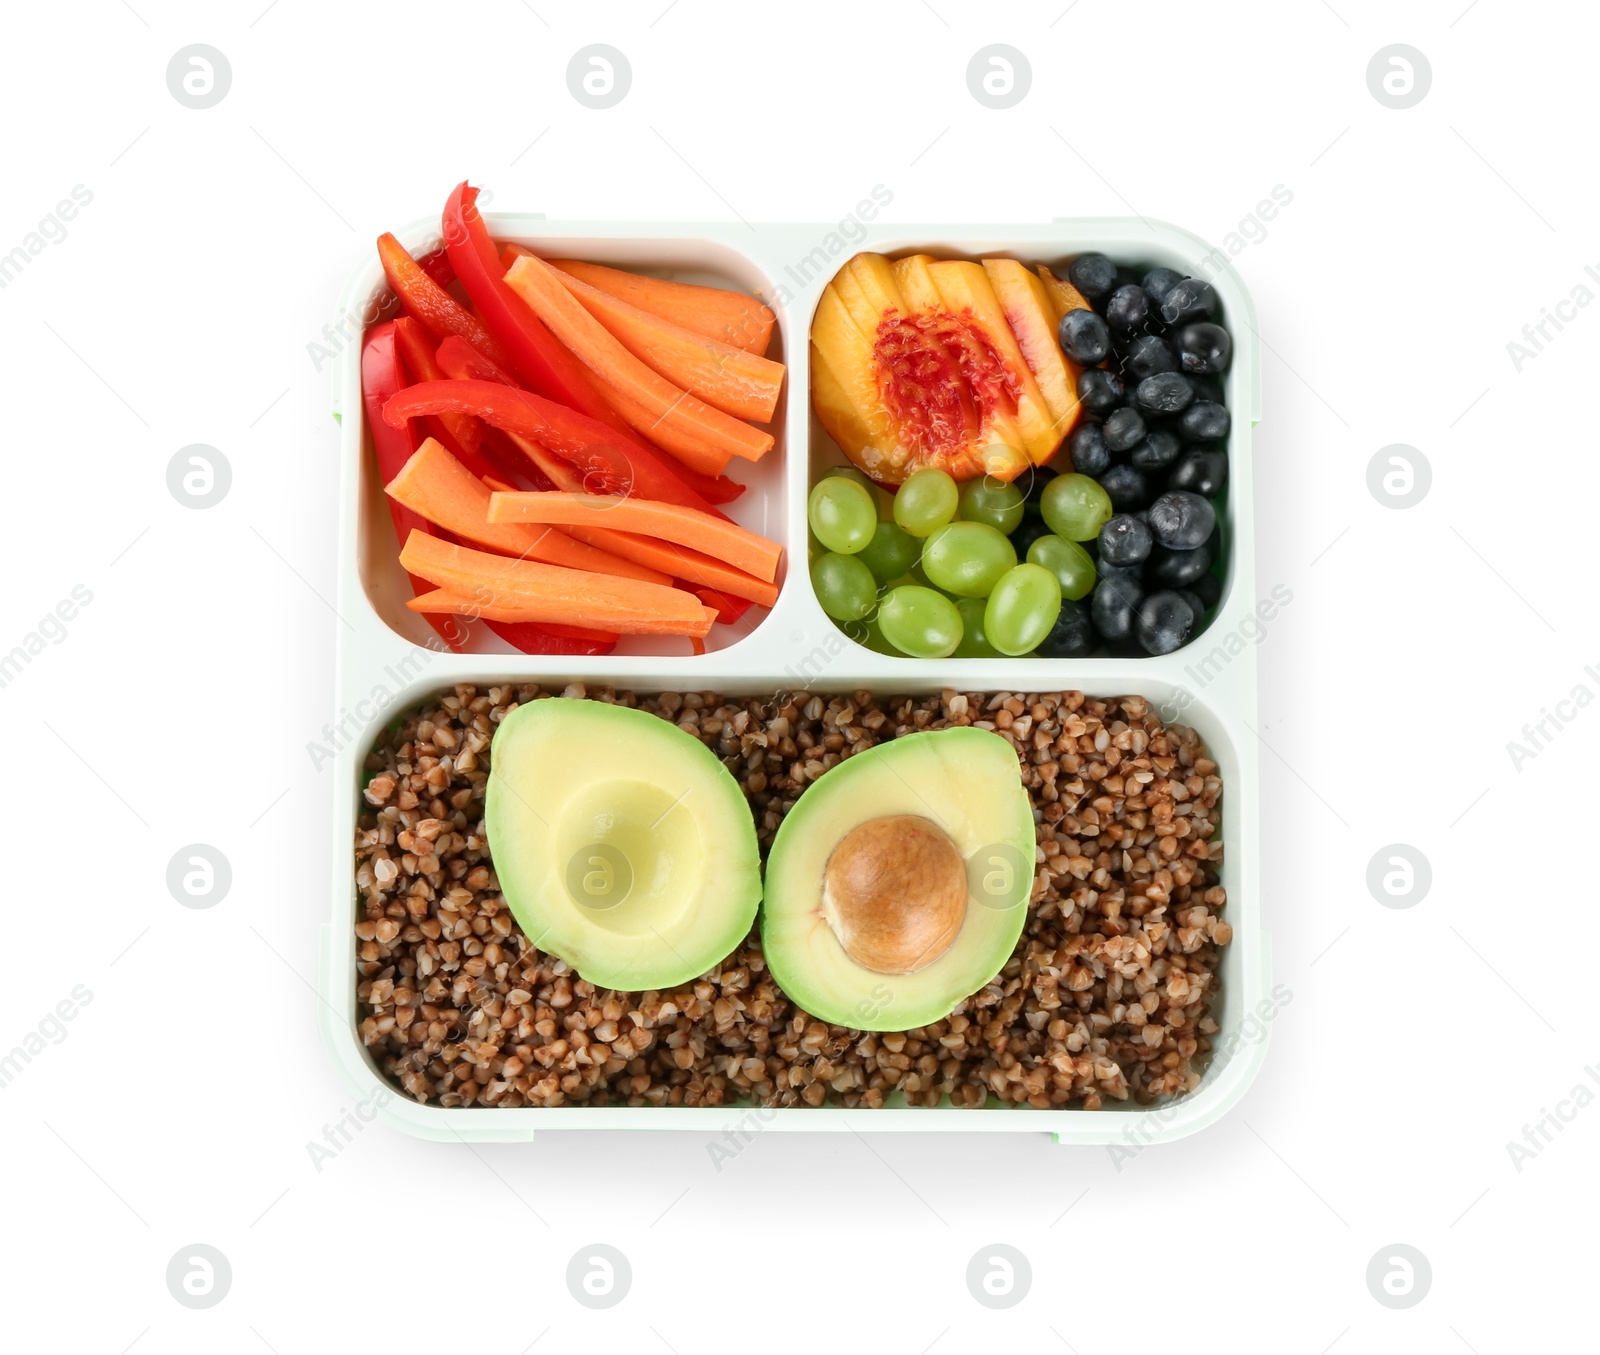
pixel 969 783
pixel 621 843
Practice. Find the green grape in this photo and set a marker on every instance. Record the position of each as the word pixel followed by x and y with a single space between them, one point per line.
pixel 1068 561
pixel 926 501
pixel 967 558
pixel 996 502
pixel 892 551
pixel 842 514
pixel 1075 507
pixel 920 622
pixel 845 587
pixel 848 473
pixel 1022 609
pixel 974 639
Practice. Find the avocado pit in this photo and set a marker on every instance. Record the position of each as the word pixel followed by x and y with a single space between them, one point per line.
pixel 894 891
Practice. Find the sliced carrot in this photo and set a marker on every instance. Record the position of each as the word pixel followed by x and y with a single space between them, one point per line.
pixel 540 286
pixel 684 444
pixel 728 317
pixel 435 486
pixel 504 589
pixel 510 609
pixel 664 521
pixel 743 384
pixel 681 562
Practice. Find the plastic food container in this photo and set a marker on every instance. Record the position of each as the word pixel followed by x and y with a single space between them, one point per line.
pixel 384 664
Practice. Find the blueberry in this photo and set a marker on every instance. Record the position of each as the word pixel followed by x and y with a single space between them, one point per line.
pixel 1124 541
pixel 1084 337
pixel 1090 455
pixel 1207 388
pixel 1159 449
pixel 1164 393
pixel 1191 299
pixel 1200 470
pixel 1116 597
pixel 1128 308
pixel 1100 391
pixel 1196 604
pixel 1204 421
pixel 1208 588
pixel 1073 635
pixel 1164 622
pixel 1158 282
pixel 1032 482
pixel 1179 520
pixel 1030 530
pixel 1094 275
pixel 1127 488
pixel 1123 428
pixel 1147 355
pixel 1204 348
pixel 1175 568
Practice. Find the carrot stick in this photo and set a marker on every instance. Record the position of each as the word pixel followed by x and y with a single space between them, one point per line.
pixel 540 286
pixel 665 521
pixel 729 317
pixel 736 382
pixel 513 609
pixel 679 561
pixel 684 444
pixel 434 485
pixel 542 592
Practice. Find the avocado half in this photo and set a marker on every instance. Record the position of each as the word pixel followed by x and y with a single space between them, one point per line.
pixel 622 844
pixel 899 883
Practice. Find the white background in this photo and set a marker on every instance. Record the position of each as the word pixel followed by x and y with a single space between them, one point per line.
pixel 177 708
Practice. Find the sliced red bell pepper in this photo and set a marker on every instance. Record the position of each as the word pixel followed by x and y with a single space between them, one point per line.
pixel 484 450
pixel 437 266
pixel 428 302
pixel 612 464
pixel 542 638
pixel 729 609
pixel 382 377
pixel 542 361
pixel 462 362
pixel 463 436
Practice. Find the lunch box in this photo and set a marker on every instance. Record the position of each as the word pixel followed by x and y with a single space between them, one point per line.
pixel 388 659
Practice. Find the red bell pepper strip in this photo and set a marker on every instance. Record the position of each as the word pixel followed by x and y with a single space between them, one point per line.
pixel 462 362
pixel 437 266
pixel 483 450
pixel 613 465
pixel 381 378
pixel 530 350
pixel 542 638
pixel 729 609
pixel 462 436
pixel 428 302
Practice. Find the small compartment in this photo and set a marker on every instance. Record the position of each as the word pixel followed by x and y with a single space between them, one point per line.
pixel 1233 389
pixel 761 508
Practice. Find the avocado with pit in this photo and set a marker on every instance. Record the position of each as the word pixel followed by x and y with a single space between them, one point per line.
pixel 622 845
pixel 898 884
